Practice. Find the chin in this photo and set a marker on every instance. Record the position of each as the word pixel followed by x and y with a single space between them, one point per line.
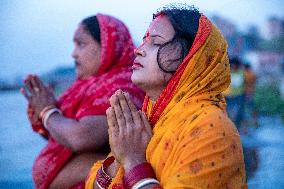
pixel 138 81
pixel 78 75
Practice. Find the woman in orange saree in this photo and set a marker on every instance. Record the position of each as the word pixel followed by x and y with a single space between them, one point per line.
pixel 183 138
pixel 76 125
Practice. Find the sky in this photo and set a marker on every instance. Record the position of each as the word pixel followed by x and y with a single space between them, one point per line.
pixel 36 36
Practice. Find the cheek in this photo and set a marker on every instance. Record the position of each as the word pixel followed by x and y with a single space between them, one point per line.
pixel 94 61
pixel 152 61
pixel 90 56
pixel 151 55
pixel 158 74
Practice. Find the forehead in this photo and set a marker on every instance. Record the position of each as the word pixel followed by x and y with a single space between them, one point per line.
pixel 162 26
pixel 81 32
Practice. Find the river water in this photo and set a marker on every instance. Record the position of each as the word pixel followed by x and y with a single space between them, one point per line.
pixel 19 145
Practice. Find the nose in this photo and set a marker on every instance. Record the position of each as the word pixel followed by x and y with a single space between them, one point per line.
pixel 139 52
pixel 74 53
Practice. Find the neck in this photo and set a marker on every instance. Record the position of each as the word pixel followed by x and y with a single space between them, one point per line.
pixel 154 94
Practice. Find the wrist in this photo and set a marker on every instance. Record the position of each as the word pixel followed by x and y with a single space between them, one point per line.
pixel 140 175
pixel 103 180
pixel 111 170
pixel 129 164
pixel 45 109
pixel 48 114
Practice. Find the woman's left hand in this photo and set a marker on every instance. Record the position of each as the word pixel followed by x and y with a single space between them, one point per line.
pixel 33 118
pixel 129 131
pixel 38 95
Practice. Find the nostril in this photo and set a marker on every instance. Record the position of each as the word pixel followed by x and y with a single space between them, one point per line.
pixel 139 52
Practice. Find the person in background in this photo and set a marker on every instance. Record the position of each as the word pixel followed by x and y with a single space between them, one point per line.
pixel 250 82
pixel 76 124
pixel 235 94
pixel 183 137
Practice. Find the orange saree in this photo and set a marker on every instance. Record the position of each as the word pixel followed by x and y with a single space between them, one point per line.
pixel 194 143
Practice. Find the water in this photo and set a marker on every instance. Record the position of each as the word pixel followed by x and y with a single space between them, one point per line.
pixel 19 146
pixel 268 140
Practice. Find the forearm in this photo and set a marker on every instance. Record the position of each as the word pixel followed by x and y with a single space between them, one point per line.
pixel 60 128
pixel 80 135
pixel 140 174
pixel 76 170
pixel 145 183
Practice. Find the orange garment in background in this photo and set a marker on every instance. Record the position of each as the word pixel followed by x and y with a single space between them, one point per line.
pixel 194 143
pixel 250 80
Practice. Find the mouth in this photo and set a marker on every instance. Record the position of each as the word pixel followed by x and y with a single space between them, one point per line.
pixel 136 65
pixel 77 63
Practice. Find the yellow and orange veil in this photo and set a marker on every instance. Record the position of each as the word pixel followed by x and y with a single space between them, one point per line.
pixel 194 143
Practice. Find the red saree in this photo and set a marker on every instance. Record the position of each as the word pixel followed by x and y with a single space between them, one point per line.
pixel 91 97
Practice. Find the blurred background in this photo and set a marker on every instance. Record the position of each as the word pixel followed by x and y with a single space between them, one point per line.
pixel 36 37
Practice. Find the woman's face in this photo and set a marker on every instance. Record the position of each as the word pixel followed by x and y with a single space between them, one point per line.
pixel 146 72
pixel 87 53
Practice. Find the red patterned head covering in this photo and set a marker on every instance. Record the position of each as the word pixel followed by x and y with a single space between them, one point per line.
pixel 91 96
pixel 114 73
pixel 116 44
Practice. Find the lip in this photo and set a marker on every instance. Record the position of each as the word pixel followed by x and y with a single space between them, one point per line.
pixel 136 65
pixel 77 63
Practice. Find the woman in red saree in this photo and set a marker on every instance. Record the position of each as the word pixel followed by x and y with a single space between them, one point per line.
pixel 76 125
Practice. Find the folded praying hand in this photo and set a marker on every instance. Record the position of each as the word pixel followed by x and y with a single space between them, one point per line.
pixel 129 131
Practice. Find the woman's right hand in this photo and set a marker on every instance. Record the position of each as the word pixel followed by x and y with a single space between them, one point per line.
pixel 129 131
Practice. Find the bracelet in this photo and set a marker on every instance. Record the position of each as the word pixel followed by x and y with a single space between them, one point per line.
pixel 138 173
pixel 45 109
pixel 103 180
pixel 145 182
pixel 100 187
pixel 48 114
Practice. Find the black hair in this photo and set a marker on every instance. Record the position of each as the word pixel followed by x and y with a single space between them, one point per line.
pixel 235 61
pixel 91 24
pixel 185 21
pixel 247 66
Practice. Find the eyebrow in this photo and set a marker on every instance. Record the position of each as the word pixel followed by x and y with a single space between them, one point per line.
pixel 154 36
pixel 76 38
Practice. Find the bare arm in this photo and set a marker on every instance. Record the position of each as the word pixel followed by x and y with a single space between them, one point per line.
pixel 87 134
pixel 76 170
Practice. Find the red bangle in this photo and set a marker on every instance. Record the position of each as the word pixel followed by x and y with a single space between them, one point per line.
pixel 103 179
pixel 139 172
